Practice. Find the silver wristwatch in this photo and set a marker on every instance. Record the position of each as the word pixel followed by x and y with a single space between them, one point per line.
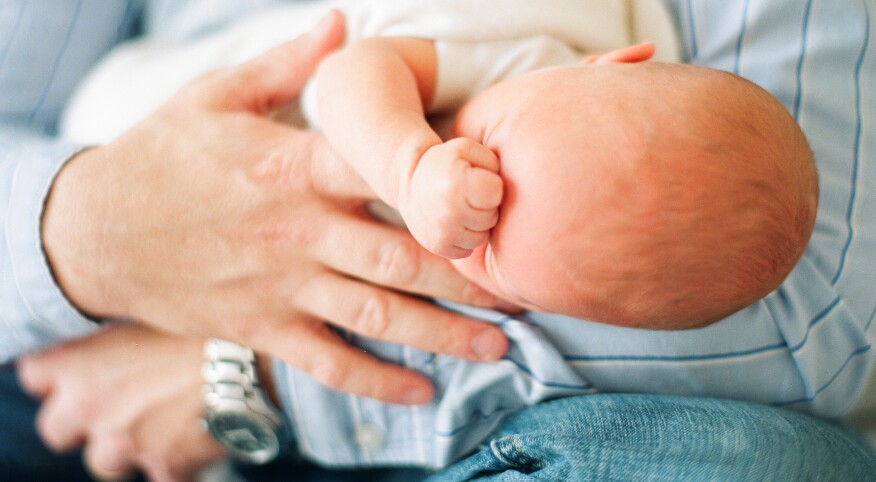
pixel 236 411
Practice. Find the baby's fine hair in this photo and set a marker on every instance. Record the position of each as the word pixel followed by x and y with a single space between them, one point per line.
pixel 745 200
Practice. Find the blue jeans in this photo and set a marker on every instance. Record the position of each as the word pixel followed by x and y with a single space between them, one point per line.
pixel 592 437
pixel 648 437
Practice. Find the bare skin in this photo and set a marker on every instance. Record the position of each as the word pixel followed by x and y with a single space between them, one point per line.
pixel 209 219
pixel 617 180
pixel 447 192
pixel 151 421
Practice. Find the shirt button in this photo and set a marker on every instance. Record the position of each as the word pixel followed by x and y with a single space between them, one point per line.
pixel 368 436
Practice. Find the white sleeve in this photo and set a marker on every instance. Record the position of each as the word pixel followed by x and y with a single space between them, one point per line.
pixel 466 68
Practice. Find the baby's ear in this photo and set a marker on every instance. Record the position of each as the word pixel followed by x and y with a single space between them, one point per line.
pixel 627 55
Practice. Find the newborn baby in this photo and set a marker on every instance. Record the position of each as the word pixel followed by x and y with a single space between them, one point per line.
pixel 613 190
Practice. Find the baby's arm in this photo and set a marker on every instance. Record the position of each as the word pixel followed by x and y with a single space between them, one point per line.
pixel 372 98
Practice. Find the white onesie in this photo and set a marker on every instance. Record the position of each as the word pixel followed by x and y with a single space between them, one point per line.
pixel 478 43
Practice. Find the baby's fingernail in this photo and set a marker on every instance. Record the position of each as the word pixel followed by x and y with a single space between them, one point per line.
pixel 489 344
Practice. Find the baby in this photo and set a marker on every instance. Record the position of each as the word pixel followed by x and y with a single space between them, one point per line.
pixel 613 190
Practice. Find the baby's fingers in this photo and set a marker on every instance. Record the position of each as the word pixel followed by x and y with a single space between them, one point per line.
pixel 469 239
pixel 474 152
pixel 480 220
pixel 483 189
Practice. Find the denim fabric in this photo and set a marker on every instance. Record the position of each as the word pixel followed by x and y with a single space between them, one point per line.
pixel 646 437
pixel 592 437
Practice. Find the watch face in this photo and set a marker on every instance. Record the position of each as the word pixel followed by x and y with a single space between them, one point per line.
pixel 245 436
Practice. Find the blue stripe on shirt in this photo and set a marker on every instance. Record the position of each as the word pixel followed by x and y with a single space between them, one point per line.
pixel 12 33
pixel 680 358
pixel 856 163
pixel 545 383
pixel 739 42
pixel 811 398
pixel 822 315
pixel 54 70
pixel 798 96
pixel 692 30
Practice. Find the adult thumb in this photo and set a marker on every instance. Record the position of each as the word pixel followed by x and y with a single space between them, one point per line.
pixel 277 76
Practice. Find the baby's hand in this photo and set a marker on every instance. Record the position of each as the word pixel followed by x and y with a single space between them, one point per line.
pixel 453 198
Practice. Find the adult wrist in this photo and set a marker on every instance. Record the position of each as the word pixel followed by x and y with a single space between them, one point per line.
pixel 70 235
pixel 266 378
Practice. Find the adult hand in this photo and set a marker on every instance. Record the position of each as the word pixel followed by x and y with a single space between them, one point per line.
pixel 208 218
pixel 131 395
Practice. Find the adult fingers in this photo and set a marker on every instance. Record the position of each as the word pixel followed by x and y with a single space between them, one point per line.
pixel 109 458
pixel 314 348
pixel 277 76
pixel 386 315
pixel 35 377
pixel 389 257
pixel 60 427
pixel 174 446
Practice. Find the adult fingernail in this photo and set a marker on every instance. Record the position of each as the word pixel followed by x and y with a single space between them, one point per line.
pixel 478 296
pixel 489 344
pixel 417 396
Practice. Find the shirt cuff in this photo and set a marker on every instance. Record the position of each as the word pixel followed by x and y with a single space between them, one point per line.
pixel 40 315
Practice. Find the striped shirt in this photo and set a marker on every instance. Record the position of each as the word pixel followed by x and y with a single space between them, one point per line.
pixel 806 346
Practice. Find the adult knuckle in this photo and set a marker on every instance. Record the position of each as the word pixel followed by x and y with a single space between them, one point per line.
pixel 113 451
pixel 85 404
pixel 373 317
pixel 202 86
pixel 46 430
pixel 283 164
pixel 330 372
pixel 399 263
pixel 246 328
pixel 455 335
pixel 283 234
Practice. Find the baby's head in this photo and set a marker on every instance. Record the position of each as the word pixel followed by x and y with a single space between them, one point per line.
pixel 641 194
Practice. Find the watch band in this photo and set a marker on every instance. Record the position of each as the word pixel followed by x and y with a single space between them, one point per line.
pixel 236 411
